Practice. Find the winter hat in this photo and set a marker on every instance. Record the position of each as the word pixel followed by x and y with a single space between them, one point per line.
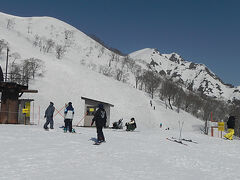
pixel 100 106
pixel 51 103
pixel 132 119
pixel 70 103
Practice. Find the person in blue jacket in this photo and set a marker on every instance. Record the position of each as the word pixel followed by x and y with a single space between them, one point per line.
pixel 68 117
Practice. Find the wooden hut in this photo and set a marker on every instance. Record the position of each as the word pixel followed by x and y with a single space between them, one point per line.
pixel 91 105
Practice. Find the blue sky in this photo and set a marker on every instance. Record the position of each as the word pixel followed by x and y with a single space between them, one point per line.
pixel 202 31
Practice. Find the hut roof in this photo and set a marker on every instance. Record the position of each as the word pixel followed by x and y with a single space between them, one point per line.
pixel 98 101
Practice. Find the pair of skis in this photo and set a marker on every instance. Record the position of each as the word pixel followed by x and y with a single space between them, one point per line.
pixel 180 139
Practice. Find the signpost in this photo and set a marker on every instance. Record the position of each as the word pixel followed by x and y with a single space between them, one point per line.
pixel 26 111
pixel 221 127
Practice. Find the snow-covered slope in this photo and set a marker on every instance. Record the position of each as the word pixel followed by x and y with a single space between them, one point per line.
pixel 68 79
pixel 194 76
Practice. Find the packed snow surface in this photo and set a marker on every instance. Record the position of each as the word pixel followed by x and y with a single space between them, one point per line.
pixel 29 152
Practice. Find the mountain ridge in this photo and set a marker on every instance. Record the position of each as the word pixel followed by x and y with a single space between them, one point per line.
pixel 79 47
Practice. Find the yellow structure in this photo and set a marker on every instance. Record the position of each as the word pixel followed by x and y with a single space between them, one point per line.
pixel 220 126
pixel 230 134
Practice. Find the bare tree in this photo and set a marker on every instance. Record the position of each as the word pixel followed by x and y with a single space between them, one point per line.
pixel 3 45
pixel 36 40
pixel 50 44
pixel 68 34
pixel 31 67
pixel 169 90
pixel 10 23
pixel 137 72
pixel 60 50
pixel 152 81
pixel 15 73
pixel 178 101
pixel 112 57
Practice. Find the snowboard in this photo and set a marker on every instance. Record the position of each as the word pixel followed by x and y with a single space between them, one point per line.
pixel 97 143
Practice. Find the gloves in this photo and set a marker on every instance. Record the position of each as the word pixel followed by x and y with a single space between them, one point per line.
pixel 44 116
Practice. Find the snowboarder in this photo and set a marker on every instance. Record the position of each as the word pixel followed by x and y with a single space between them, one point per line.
pixel 100 119
pixel 230 126
pixel 49 116
pixel 68 117
pixel 118 124
pixel 151 103
pixel 131 126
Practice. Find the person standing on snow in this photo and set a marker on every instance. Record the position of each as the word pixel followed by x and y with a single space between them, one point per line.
pixel 68 117
pixel 100 119
pixel 230 126
pixel 49 116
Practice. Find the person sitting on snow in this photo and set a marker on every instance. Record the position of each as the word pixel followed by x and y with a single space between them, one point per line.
pixel 131 125
pixel 230 126
pixel 118 124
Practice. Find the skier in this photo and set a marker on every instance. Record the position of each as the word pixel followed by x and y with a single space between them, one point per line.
pixel 68 117
pixel 131 125
pixel 49 116
pixel 230 126
pixel 100 118
pixel 160 125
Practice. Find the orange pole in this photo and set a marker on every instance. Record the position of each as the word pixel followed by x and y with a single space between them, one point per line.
pixel 59 111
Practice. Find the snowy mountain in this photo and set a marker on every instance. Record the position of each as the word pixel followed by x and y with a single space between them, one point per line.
pixel 194 76
pixel 67 79
pixel 29 152
pixel 45 34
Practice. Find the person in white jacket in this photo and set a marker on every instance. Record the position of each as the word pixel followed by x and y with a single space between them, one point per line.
pixel 68 117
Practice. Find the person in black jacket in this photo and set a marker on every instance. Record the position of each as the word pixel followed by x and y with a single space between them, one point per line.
pixel 49 116
pixel 230 126
pixel 100 119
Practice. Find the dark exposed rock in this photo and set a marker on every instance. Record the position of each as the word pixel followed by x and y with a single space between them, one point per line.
pixel 193 66
pixel 162 73
pixel 153 63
